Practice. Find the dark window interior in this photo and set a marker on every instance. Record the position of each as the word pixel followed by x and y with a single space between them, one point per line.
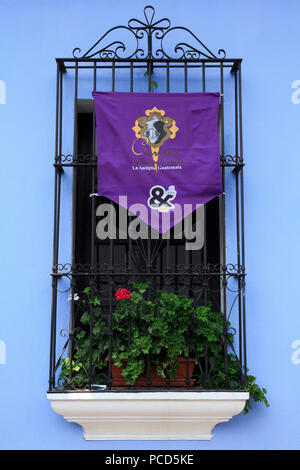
pixel 166 257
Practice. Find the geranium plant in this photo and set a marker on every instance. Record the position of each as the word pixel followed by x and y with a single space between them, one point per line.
pixel 156 330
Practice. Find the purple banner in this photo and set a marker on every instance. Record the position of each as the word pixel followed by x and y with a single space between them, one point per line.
pixel 158 153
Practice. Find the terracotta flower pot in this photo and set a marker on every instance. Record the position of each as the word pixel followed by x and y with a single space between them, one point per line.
pixel 156 381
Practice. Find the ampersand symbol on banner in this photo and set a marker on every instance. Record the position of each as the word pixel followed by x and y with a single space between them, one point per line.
pixel 160 198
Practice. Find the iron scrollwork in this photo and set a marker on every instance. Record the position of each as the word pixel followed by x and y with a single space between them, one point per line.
pixel 156 35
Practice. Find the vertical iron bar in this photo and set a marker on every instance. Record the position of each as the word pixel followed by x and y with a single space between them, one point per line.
pixel 110 279
pixel 168 77
pixel 149 76
pixel 55 245
pixel 242 222
pixel 148 379
pixel 203 77
pixel 237 196
pixel 187 254
pixel 205 279
pixel 59 184
pixel 131 76
pixel 223 229
pixel 129 245
pixel 113 76
pixel 93 229
pixel 110 319
pixel 74 194
pixel 168 280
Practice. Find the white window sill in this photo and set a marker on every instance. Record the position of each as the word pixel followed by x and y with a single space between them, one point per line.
pixel 148 415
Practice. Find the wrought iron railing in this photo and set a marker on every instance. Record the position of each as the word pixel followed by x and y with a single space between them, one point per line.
pixel 97 269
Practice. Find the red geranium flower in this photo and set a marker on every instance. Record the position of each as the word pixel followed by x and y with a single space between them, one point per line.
pixel 122 294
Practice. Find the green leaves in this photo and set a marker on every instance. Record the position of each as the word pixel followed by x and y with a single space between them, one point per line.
pixel 91 317
pixel 157 328
pixel 140 287
pixel 256 393
pixel 153 82
pixel 85 318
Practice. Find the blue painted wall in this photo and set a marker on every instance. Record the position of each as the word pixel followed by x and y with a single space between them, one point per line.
pixel 266 35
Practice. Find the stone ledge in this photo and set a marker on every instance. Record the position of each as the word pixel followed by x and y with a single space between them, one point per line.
pixel 148 415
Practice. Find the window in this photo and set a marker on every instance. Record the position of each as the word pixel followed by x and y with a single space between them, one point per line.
pixel 164 264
